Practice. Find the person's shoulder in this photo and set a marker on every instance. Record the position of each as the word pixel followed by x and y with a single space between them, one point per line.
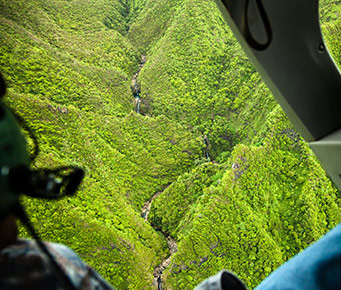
pixel 26 247
pixel 62 250
pixel 20 248
pixel 27 252
pixel 22 253
pixel 67 258
pixel 23 266
pixel 79 272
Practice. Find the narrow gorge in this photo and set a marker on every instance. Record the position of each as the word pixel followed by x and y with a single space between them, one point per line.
pixel 172 245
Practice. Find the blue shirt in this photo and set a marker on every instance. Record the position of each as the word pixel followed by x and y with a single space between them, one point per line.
pixel 317 267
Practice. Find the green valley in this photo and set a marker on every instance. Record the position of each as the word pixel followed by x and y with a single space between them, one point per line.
pixel 237 187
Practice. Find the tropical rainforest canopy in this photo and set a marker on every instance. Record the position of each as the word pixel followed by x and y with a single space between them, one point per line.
pixel 236 185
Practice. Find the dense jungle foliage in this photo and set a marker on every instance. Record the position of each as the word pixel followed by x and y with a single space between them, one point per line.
pixel 260 197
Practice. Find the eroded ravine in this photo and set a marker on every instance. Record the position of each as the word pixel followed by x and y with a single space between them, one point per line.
pixel 158 271
pixel 172 245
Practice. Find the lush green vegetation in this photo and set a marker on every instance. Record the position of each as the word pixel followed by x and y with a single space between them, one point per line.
pixel 260 199
pixel 267 206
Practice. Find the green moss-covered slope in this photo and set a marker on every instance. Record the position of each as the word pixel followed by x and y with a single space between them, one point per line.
pixel 69 77
pixel 121 175
pixel 273 201
pixel 259 198
pixel 196 73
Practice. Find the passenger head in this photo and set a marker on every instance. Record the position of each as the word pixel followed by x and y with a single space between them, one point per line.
pixel 17 177
pixel 13 153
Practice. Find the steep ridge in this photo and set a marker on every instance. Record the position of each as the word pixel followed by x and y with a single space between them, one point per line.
pixel 255 215
pixel 197 74
pixel 69 77
pixel 184 78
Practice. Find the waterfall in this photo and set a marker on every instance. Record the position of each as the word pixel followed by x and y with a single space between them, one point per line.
pixel 137 99
pixel 136 85
pixel 207 156
pixel 136 90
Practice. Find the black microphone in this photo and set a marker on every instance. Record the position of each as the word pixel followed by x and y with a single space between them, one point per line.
pixel 45 183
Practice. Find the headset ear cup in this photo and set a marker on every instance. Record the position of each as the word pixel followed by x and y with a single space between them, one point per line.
pixel 2 112
pixel 2 86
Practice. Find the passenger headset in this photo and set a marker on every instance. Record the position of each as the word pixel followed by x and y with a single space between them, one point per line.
pixel 18 178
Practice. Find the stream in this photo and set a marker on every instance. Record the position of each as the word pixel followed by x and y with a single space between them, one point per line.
pixel 207 155
pixel 158 270
pixel 172 245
